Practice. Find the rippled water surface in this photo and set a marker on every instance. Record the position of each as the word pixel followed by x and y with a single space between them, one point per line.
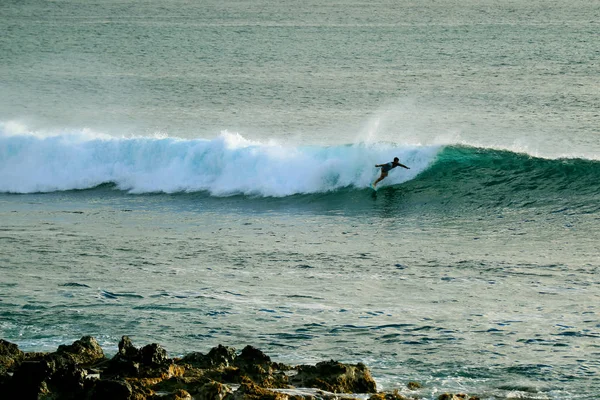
pixel 479 302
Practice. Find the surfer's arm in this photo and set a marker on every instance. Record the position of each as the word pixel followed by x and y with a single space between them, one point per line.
pixel 403 166
pixel 378 165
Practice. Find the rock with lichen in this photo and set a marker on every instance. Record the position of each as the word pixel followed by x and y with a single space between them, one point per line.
pixel 85 351
pixel 459 396
pixel 10 356
pixel 81 371
pixel 149 362
pixel 220 356
pixel 395 395
pixel 61 374
pixel 248 390
pixel 335 377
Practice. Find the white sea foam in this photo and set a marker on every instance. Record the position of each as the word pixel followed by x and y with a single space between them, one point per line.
pixel 226 165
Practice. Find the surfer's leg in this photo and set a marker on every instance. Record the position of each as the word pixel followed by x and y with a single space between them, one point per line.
pixel 383 175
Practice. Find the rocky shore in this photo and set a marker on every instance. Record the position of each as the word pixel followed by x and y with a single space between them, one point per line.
pixel 82 371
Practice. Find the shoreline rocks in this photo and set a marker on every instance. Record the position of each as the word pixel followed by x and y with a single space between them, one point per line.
pixel 82 371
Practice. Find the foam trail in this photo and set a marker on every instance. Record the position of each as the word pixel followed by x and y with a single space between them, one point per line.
pixel 226 165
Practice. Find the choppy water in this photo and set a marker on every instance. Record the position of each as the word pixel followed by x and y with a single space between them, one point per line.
pixel 197 173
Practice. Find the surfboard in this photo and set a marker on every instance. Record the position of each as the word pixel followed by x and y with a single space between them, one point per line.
pixel 373 187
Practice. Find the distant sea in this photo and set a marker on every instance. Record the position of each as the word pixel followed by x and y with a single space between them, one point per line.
pixel 196 173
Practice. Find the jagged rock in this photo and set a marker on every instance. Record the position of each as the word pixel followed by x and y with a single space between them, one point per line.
pixel 64 375
pixel 127 349
pixel 258 366
pixel 126 363
pixel 150 355
pixel 213 391
pixel 111 389
pixel 85 351
pixel 29 380
pixel 118 389
pixel 191 385
pixel 253 356
pixel 61 373
pixel 123 368
pixel 10 355
pixel 336 377
pixel 177 395
pixel 388 396
pixel 220 356
pixel 153 355
pixel 222 365
pixel 142 388
pixel 151 361
pixel 137 374
pixel 459 396
pixel 225 375
pixel 196 359
pixel 250 391
pixel 414 385
pixel 56 374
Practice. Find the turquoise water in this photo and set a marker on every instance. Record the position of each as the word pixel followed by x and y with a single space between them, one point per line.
pixel 196 173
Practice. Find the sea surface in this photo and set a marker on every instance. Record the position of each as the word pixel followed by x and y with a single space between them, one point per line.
pixel 196 173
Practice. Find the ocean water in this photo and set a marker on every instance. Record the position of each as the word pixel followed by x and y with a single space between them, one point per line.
pixel 197 173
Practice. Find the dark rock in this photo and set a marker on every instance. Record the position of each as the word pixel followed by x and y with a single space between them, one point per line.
pixel 127 350
pixel 336 377
pixel 213 391
pixel 222 365
pixel 195 359
pixel 141 388
pixel 149 375
pixel 85 351
pixel 459 396
pixel 10 355
pixel 5 383
pixel 111 389
pixel 191 385
pixel 64 375
pixel 151 361
pixel 258 367
pixel 35 356
pixel 220 356
pixel 225 375
pixel 136 374
pixel 56 373
pixel 413 385
pixel 177 395
pixel 29 380
pixel 122 367
pixel 126 363
pixel 251 355
pixel 248 390
pixel 389 396
pixel 153 355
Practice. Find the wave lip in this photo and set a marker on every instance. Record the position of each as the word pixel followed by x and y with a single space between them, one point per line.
pixel 224 166
pixel 231 165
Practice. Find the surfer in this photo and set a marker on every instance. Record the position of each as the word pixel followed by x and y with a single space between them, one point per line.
pixel 385 169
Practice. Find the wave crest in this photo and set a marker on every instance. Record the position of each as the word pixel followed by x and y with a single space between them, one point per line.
pixel 227 165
